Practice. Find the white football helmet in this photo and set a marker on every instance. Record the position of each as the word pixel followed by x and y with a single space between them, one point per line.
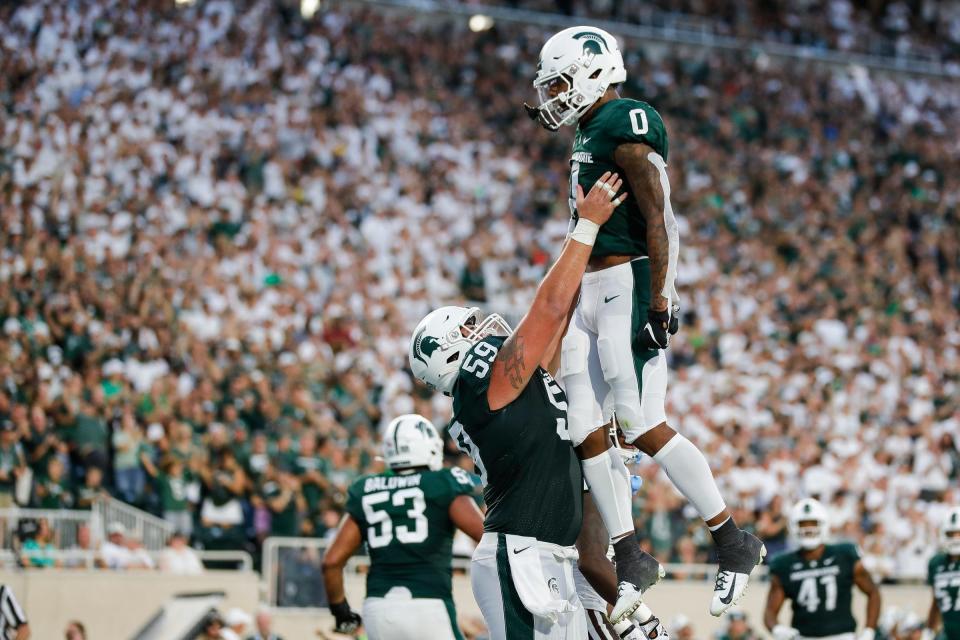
pixel 950 532
pixel 809 536
pixel 443 338
pixel 576 67
pixel 412 441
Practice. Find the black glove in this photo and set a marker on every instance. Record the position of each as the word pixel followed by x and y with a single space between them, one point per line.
pixel 656 333
pixel 674 320
pixel 348 620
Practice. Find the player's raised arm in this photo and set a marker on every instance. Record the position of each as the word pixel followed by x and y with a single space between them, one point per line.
pixel 646 174
pixel 523 351
pixel 861 577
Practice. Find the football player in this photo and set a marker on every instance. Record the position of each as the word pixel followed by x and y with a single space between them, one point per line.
pixel 943 575
pixel 627 310
pixel 407 516
pixel 818 578
pixel 510 416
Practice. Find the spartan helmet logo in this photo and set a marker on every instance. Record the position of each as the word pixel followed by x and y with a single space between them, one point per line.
pixel 593 45
pixel 424 345
pixel 554 585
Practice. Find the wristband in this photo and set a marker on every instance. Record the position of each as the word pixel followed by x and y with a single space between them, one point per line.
pixel 340 609
pixel 585 232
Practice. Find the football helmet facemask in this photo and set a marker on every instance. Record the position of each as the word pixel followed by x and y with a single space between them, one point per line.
pixel 442 340
pixel 412 441
pixel 576 67
pixel 808 523
pixel 950 532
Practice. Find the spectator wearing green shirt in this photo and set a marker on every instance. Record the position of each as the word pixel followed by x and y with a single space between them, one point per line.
pixel 90 435
pixel 311 470
pixel 282 495
pixel 172 484
pixel 128 474
pixel 12 462
pixel 41 444
pixel 53 490
pixel 92 488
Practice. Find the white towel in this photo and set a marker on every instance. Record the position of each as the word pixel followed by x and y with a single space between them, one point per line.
pixel 529 579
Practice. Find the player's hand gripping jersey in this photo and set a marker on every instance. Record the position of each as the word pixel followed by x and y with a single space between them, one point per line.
pixel 617 122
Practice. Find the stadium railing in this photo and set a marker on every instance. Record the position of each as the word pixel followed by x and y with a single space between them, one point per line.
pixel 292 571
pixel 64 524
pixel 151 530
pixel 293 577
pixel 87 558
pixel 679 31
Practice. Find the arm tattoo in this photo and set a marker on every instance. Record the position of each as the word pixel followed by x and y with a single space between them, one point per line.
pixel 512 354
pixel 644 181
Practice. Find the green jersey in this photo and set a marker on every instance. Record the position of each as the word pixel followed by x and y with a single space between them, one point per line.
pixel 405 520
pixel 621 121
pixel 173 492
pixel 821 590
pixel 943 574
pixel 534 485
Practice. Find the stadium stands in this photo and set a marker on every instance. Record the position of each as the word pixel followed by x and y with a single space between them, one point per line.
pixel 219 223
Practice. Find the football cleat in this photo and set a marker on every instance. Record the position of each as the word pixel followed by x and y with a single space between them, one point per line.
pixel 737 562
pixel 629 599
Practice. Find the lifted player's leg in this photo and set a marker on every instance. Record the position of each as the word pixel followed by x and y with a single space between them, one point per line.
pixel 638 379
pixel 738 552
pixel 603 468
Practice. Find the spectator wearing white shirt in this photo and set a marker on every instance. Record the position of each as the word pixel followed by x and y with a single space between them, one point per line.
pixel 178 558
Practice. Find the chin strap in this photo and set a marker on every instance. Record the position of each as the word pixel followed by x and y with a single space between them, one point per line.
pixel 536 116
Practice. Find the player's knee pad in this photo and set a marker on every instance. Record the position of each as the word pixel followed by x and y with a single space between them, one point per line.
pixel 608 359
pixel 651 409
pixel 574 350
pixel 582 410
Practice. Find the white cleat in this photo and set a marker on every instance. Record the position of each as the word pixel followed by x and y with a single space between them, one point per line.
pixel 732 584
pixel 629 599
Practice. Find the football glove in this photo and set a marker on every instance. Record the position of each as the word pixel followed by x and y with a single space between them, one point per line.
pixel 783 632
pixel 867 634
pixel 348 620
pixel 660 326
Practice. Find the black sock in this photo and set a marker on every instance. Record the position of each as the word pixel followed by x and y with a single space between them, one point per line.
pixel 727 534
pixel 627 552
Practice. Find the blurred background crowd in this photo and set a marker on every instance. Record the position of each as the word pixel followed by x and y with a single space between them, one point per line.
pixel 220 223
pixel 918 29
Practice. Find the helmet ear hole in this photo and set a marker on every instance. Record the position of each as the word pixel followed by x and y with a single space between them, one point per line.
pixel 453 357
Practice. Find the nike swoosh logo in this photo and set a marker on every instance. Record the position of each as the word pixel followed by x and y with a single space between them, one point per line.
pixel 585 140
pixel 521 550
pixel 729 597
pixel 605 300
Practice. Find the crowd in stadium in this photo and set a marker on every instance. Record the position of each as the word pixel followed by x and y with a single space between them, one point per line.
pixel 220 223
pixel 928 31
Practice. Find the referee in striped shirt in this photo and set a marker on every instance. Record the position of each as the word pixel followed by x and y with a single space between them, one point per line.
pixel 13 622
